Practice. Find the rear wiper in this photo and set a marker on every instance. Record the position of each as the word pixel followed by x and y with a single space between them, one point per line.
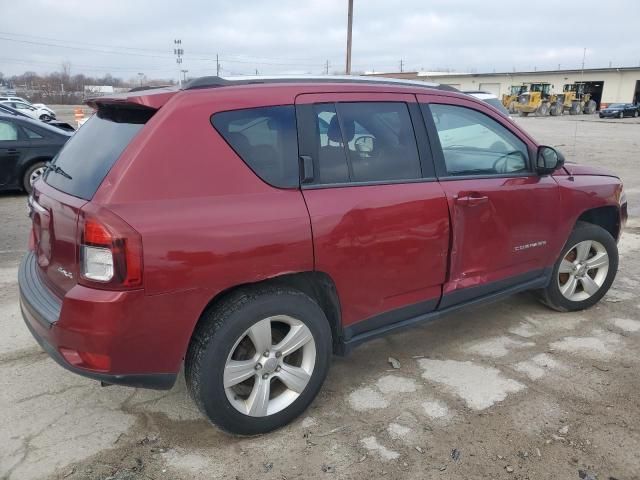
pixel 56 169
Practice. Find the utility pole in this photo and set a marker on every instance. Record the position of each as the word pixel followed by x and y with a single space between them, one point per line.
pixel 326 67
pixel 140 76
pixel 178 52
pixel 184 73
pixel 349 27
pixel 401 66
pixel 217 66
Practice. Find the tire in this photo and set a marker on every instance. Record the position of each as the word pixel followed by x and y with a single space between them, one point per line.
pixel 45 118
pixel 512 108
pixel 621 115
pixel 555 110
pixel 601 242
pixel 590 107
pixel 543 110
pixel 635 114
pixel 524 114
pixel 31 175
pixel 224 331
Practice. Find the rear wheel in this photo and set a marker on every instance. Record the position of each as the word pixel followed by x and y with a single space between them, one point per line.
pixel 555 110
pixel 575 108
pixel 258 359
pixel 585 270
pixel 524 114
pixel 33 173
pixel 635 114
pixel 512 107
pixel 621 115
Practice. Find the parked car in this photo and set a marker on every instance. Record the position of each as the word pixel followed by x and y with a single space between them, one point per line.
pixel 620 110
pixel 26 145
pixel 7 110
pixel 40 106
pixel 489 98
pixel 220 227
pixel 30 110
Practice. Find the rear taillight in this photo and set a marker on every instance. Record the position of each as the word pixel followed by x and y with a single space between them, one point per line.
pixel 110 250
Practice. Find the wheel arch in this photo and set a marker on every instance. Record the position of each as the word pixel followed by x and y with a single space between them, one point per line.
pixel 607 217
pixel 317 285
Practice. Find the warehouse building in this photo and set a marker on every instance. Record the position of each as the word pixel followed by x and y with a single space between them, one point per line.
pixel 606 85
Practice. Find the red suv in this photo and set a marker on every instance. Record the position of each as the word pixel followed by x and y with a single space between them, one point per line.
pixel 251 228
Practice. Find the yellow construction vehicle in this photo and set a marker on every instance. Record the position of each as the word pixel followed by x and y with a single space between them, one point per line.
pixel 537 99
pixel 575 100
pixel 510 99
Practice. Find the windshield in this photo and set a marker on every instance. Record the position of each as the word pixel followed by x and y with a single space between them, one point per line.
pixel 89 155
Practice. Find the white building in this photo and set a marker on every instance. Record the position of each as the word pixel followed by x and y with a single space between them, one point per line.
pixel 607 85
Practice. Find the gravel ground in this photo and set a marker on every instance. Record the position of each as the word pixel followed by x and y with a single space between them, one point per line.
pixel 510 390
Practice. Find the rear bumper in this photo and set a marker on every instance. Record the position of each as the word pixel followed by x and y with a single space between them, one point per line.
pixel 55 324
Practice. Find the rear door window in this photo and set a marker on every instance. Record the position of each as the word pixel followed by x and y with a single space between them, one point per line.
pixel 266 140
pixel 365 142
pixel 91 152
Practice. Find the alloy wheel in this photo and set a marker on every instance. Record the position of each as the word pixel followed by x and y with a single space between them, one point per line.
pixel 269 366
pixel 36 174
pixel 583 270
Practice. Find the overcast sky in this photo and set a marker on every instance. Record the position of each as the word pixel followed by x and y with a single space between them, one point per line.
pixel 124 37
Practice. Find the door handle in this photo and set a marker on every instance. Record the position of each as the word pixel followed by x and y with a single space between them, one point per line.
pixel 472 200
pixel 12 151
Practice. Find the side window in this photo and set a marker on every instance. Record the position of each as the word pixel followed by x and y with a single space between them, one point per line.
pixel 8 132
pixel 365 142
pixel 266 140
pixel 475 144
pixel 31 134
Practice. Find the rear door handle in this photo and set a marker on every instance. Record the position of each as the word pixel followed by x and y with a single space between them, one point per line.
pixel 472 200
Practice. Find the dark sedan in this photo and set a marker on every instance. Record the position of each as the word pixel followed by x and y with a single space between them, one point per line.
pixel 25 146
pixel 620 110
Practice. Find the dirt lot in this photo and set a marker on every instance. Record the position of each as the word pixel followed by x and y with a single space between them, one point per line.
pixel 512 390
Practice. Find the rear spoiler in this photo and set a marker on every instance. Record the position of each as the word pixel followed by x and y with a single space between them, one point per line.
pixel 149 98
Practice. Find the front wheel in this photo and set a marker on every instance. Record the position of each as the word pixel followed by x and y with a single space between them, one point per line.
pixel 258 359
pixel 585 270
pixel 45 118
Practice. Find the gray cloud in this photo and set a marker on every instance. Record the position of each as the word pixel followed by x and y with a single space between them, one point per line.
pixel 286 36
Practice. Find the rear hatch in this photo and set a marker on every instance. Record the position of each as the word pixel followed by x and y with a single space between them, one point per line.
pixel 71 182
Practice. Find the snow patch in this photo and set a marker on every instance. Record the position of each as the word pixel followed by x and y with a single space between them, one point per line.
pixel 367 399
pixel 395 384
pixel 371 444
pixel 601 345
pixel 397 431
pixel 626 324
pixel 480 387
pixel 537 367
pixel 628 243
pixel 309 422
pixel 525 330
pixel 435 409
pixel 496 347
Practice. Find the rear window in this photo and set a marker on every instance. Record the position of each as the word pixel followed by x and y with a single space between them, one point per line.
pixel 91 152
pixel 266 140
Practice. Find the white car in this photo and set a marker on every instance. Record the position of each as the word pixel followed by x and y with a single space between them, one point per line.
pixel 33 111
pixel 489 98
pixel 51 113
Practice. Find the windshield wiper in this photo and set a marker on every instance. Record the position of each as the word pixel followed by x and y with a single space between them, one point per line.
pixel 56 169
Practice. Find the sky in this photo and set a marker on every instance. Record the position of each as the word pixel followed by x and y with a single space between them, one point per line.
pixel 127 37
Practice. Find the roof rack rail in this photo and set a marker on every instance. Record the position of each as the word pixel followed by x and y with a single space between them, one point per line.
pixel 214 82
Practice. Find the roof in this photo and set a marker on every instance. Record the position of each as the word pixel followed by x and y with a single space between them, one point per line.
pixel 213 81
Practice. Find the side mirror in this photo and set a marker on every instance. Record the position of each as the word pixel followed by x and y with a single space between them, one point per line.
pixel 548 160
